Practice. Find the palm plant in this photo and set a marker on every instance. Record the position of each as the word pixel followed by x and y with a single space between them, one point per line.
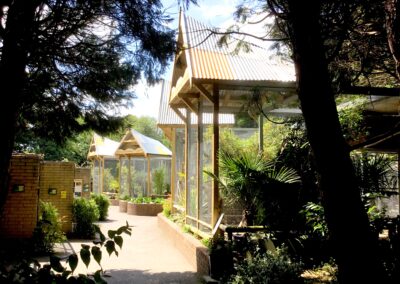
pixel 246 176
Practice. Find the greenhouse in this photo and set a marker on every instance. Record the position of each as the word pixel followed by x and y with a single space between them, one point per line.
pixel 209 84
pixel 145 166
pixel 104 170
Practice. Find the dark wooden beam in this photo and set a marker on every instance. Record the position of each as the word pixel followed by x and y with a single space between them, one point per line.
pixel 189 95
pixel 372 91
pixel 191 106
pixel 179 113
pixel 205 92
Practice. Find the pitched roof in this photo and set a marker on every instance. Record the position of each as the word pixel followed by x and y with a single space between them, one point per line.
pixel 211 60
pixel 102 146
pixel 167 117
pixel 136 144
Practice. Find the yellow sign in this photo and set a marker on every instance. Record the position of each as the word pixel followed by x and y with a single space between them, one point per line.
pixel 63 194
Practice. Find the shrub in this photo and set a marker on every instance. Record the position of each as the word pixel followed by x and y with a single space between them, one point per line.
pixel 271 268
pixel 167 207
pixel 102 203
pixel 85 212
pixel 48 229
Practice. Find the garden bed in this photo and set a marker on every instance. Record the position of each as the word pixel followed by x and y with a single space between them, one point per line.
pixel 144 209
pixel 123 205
pixel 193 250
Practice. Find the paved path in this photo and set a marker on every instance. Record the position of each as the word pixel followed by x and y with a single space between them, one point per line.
pixel 146 256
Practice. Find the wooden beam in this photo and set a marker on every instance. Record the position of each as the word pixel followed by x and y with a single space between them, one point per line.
pixel 180 114
pixel 199 158
pixel 148 177
pixel 190 105
pixel 173 168
pixel 187 129
pixel 204 92
pixel 261 133
pixel 215 167
pixel 372 91
pixel 189 95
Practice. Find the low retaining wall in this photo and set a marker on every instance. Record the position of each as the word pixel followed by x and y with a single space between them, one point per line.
pixel 123 204
pixel 193 250
pixel 144 209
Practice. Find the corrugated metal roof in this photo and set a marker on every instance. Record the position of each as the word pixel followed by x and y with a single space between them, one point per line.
pixel 102 146
pixel 208 60
pixel 167 117
pixel 149 145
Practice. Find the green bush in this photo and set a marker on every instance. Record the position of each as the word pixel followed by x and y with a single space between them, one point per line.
pixel 167 207
pixel 85 212
pixel 102 203
pixel 271 268
pixel 48 229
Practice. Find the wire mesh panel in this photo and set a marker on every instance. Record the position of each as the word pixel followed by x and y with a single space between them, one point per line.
pixel 179 179
pixel 124 177
pixel 110 175
pixel 206 181
pixel 160 173
pixel 191 197
pixel 138 177
pixel 96 176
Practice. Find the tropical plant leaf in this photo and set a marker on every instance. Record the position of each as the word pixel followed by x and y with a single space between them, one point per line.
pixel 55 264
pixel 110 246
pixel 85 256
pixel 96 252
pixel 73 262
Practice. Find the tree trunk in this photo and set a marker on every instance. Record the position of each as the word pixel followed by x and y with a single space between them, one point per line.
pixel 13 63
pixel 354 245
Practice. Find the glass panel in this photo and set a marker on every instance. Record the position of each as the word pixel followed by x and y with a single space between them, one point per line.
pixel 160 175
pixel 206 186
pixel 192 172
pixel 110 176
pixel 124 164
pixel 138 177
pixel 95 175
pixel 179 191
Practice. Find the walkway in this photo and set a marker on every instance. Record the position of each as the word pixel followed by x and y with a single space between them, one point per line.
pixel 146 257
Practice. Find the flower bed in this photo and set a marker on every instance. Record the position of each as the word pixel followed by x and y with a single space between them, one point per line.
pixel 123 205
pixel 144 209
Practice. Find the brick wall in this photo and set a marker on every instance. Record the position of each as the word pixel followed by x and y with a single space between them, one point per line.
pixel 57 187
pixel 20 212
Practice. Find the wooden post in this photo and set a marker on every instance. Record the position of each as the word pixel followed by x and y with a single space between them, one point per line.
pixel 215 146
pixel 119 176
pixel 398 176
pixel 148 176
pixel 129 175
pixel 173 169
pixel 261 133
pixel 187 129
pixel 102 175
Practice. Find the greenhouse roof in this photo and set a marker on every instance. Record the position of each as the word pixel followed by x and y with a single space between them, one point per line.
pixel 102 147
pixel 136 144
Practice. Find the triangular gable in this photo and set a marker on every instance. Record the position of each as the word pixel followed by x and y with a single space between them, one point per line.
pixel 101 147
pixel 138 145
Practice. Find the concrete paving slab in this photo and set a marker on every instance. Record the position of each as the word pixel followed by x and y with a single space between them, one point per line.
pixel 146 256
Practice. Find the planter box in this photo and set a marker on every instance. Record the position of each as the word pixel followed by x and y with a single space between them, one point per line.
pixel 193 250
pixel 123 205
pixel 147 209
pixel 114 202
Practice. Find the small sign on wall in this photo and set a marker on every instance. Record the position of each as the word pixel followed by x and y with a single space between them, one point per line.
pixel 52 191
pixel 18 188
pixel 63 194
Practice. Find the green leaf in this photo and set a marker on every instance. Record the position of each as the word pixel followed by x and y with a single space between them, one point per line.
pixel 110 246
pixel 98 278
pixel 96 252
pixel 119 241
pixel 55 264
pixel 73 262
pixel 111 233
pixel 85 256
pixel 85 246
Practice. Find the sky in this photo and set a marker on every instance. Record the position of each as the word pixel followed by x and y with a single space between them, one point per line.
pixel 213 13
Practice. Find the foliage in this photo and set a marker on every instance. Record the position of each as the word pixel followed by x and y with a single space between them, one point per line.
pixel 102 203
pixel 167 207
pixel 85 212
pixel 315 218
pixel 147 200
pixel 352 121
pixel 158 176
pixel 270 268
pixel 28 270
pixel 48 230
pixel 246 177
